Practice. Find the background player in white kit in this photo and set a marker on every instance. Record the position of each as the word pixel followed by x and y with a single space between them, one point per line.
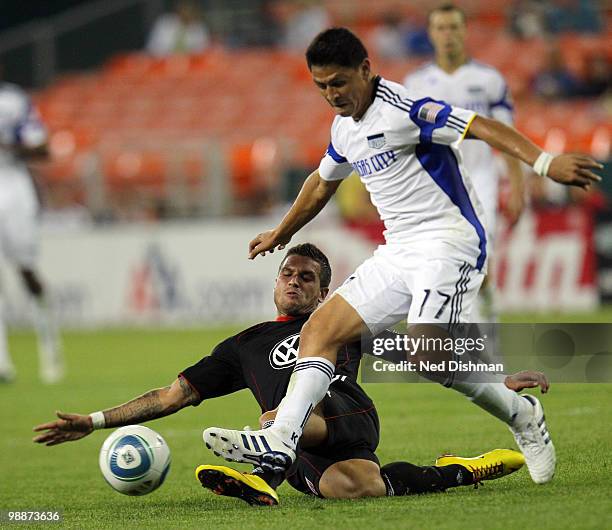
pixel 22 137
pixel 462 82
pixel 431 267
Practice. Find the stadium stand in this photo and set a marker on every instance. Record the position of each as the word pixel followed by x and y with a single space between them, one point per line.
pixel 145 124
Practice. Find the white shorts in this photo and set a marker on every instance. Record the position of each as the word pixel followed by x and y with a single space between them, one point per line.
pixel 19 224
pixel 399 283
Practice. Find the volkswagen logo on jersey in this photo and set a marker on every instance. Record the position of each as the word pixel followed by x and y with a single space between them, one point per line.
pixel 285 353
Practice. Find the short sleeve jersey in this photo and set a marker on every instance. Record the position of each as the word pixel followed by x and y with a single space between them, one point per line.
pixel 405 151
pixel 261 359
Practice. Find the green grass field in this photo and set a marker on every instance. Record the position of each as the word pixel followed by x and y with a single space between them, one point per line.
pixel 419 421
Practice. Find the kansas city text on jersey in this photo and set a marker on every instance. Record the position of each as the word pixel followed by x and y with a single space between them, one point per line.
pixel 377 162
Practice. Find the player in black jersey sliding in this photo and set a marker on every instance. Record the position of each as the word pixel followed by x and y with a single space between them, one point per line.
pixel 337 452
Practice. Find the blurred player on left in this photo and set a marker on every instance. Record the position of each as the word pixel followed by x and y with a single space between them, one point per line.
pixel 24 137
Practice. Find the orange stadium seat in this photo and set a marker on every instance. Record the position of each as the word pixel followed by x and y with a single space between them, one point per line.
pixel 129 65
pixel 136 104
pixel 254 166
pixel 242 170
pixel 135 169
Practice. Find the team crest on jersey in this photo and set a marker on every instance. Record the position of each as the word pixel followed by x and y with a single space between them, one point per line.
pixel 429 111
pixel 285 353
pixel 377 141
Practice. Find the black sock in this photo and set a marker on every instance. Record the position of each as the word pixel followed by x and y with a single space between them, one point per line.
pixel 274 480
pixel 403 478
pixel 456 475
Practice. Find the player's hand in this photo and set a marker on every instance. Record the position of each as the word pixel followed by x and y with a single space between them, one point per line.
pixel 68 428
pixel 527 379
pixel 574 170
pixel 266 242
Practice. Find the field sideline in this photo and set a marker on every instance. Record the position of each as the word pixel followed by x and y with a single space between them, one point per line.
pixel 419 421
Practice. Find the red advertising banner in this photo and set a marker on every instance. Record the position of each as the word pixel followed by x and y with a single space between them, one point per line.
pixel 547 262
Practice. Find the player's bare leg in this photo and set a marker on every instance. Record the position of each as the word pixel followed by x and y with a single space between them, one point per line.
pixel 332 325
pixel 49 347
pixel 352 479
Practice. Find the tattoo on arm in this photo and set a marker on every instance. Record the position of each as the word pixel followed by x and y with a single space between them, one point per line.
pixel 143 408
pixel 189 394
pixel 152 405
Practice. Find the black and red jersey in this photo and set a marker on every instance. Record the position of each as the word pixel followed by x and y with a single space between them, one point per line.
pixel 262 358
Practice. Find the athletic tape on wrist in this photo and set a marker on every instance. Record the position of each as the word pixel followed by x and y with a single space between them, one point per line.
pixel 98 420
pixel 542 163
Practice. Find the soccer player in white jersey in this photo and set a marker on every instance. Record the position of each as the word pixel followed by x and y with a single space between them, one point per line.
pixel 462 82
pixel 432 264
pixel 23 137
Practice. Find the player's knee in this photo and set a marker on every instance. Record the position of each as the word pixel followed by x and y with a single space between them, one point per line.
pixel 267 419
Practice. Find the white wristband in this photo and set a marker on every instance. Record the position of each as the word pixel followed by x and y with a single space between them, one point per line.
pixel 542 163
pixel 98 420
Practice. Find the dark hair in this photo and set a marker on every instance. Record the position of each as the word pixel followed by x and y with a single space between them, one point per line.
pixel 337 46
pixel 308 250
pixel 448 7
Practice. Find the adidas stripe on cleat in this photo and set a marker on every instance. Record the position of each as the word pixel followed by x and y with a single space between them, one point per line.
pixel 228 482
pixel 263 448
pixel 488 466
pixel 532 437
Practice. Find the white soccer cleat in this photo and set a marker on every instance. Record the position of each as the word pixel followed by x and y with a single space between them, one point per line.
pixel 532 436
pixel 263 448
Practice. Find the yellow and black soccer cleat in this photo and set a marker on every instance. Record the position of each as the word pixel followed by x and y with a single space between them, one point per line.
pixel 488 466
pixel 226 481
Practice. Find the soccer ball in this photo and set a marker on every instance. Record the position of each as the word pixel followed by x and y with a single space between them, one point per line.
pixel 134 460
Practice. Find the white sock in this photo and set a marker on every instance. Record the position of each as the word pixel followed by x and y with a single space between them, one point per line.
pixel 6 364
pixel 49 348
pixel 309 382
pixel 493 396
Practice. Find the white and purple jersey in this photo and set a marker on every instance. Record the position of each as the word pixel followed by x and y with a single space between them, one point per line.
pixel 481 88
pixel 405 152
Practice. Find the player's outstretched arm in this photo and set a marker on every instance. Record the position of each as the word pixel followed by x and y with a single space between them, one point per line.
pixel 154 404
pixel 569 169
pixel 313 196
